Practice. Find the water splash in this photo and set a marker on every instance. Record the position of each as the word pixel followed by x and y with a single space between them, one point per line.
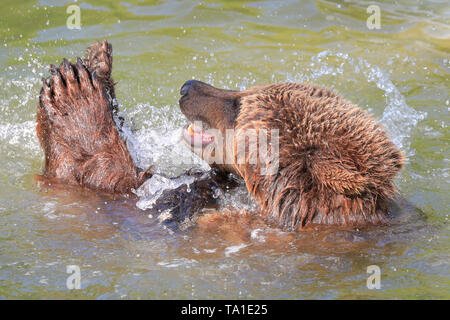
pixel 21 135
pixel 158 141
pixel 150 191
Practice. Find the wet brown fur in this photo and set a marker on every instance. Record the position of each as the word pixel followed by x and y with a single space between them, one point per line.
pixel 336 164
pixel 76 129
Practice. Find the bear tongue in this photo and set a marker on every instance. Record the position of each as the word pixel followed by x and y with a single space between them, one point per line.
pixel 194 131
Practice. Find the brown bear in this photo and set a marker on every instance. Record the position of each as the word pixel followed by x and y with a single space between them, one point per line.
pixel 335 164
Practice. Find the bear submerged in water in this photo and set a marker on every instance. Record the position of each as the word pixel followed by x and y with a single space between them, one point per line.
pixel 335 164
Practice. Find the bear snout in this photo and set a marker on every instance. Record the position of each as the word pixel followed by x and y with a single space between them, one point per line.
pixel 187 86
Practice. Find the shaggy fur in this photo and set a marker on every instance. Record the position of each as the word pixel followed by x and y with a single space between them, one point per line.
pixel 336 164
pixel 76 130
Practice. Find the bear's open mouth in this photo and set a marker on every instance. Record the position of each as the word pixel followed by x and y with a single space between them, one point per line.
pixel 196 136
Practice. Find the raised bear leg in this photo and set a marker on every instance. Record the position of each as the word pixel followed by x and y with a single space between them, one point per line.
pixel 76 130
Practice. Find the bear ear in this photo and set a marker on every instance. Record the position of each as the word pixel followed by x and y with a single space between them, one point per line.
pixel 342 178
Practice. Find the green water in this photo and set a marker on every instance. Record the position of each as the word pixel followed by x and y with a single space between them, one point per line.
pixel 399 72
